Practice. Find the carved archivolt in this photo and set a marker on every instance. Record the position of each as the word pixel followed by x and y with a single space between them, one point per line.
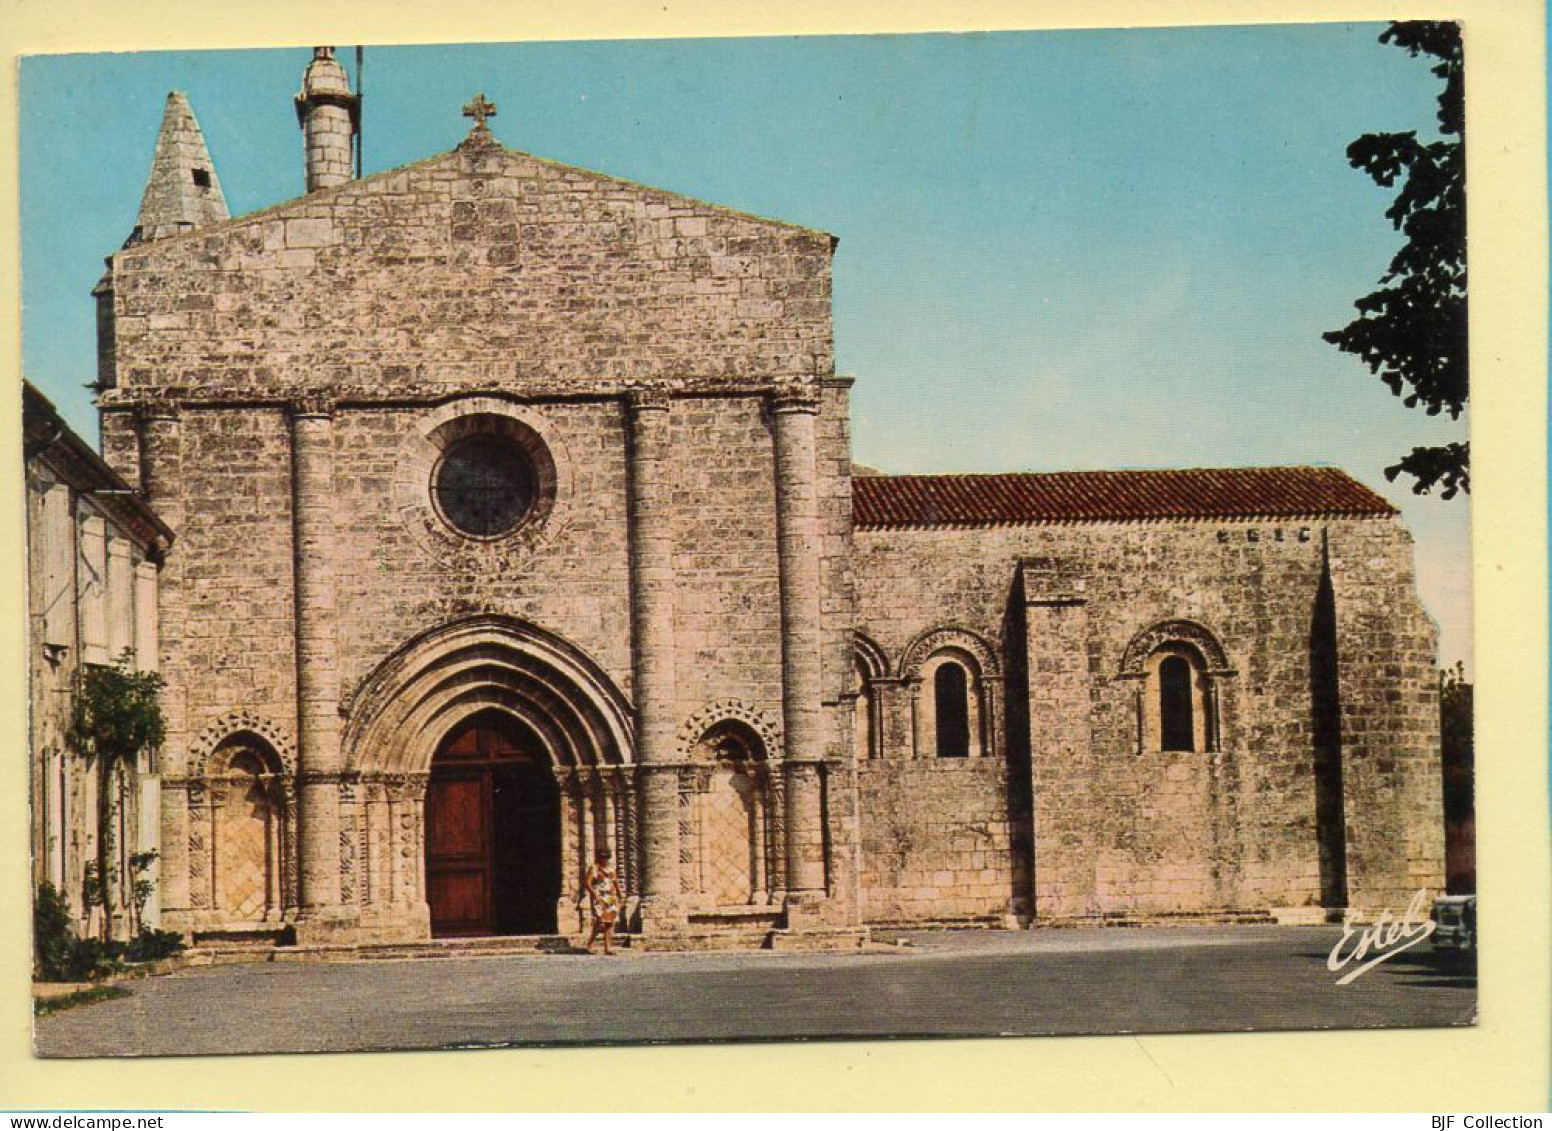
pixel 945 638
pixel 234 725
pixel 399 713
pixel 1151 639
pixel 724 710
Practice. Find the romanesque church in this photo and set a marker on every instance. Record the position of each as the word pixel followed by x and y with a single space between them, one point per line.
pixel 514 516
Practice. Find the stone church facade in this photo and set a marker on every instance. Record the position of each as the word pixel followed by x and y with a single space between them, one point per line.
pixel 516 518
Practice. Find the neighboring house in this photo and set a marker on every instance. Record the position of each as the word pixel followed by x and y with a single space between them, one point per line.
pixel 93 549
pixel 516 518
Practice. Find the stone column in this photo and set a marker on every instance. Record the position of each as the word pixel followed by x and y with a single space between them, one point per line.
pixel 317 673
pixel 760 882
pixel 776 837
pixel 290 877
pixel 652 616
pixel 609 810
pixel 377 865
pixel 923 740
pixel 274 794
pixel 584 822
pixel 219 794
pixel 630 871
pixel 619 806
pixel 565 902
pixel 174 862
pixel 795 412
pixel 200 857
pixel 412 823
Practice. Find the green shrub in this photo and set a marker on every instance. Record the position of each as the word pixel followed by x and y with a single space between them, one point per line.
pixel 94 959
pixel 150 945
pixel 58 956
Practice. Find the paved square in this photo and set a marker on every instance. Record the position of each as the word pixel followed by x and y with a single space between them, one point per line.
pixel 950 984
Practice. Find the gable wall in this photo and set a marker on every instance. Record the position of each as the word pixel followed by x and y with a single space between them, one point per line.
pixel 480 268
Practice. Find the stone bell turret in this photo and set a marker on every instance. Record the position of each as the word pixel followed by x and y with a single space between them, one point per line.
pixel 329 115
pixel 181 194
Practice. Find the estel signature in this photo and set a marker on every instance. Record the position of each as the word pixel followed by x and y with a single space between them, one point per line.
pixel 1383 939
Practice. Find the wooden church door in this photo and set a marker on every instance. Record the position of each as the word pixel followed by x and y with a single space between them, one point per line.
pixel 492 833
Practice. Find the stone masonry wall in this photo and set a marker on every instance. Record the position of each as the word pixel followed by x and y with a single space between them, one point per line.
pixel 936 841
pixel 481 271
pixel 726 599
pixel 231 647
pixel 393 582
pixel 228 611
pixel 1120 829
pixel 391 586
pixel 1389 723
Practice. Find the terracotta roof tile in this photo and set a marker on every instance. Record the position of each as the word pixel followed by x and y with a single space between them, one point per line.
pixel 896 501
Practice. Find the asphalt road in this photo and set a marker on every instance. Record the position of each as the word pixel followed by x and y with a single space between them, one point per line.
pixel 949 984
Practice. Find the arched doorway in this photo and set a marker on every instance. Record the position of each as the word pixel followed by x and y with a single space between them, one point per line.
pixel 493 831
pixel 569 730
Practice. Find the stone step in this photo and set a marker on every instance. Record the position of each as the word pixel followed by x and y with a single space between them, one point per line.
pixel 368 952
pixel 757 938
pixel 1165 919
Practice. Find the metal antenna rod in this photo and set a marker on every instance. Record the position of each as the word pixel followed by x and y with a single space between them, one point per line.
pixel 360 110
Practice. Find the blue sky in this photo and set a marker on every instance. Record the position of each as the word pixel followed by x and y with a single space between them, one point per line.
pixel 1058 250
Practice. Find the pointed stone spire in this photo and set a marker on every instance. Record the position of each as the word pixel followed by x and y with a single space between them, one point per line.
pixel 183 192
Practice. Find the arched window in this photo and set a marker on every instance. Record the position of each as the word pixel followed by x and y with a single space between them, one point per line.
pixel 1176 728
pixel 954 679
pixel 1177 701
pixel 1180 674
pixel 950 707
pixel 951 710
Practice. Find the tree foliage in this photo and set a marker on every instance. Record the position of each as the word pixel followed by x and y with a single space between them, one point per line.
pixel 117 712
pixel 1459 749
pixel 1411 332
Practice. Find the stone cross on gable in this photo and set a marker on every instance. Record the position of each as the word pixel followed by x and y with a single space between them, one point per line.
pixel 480 109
